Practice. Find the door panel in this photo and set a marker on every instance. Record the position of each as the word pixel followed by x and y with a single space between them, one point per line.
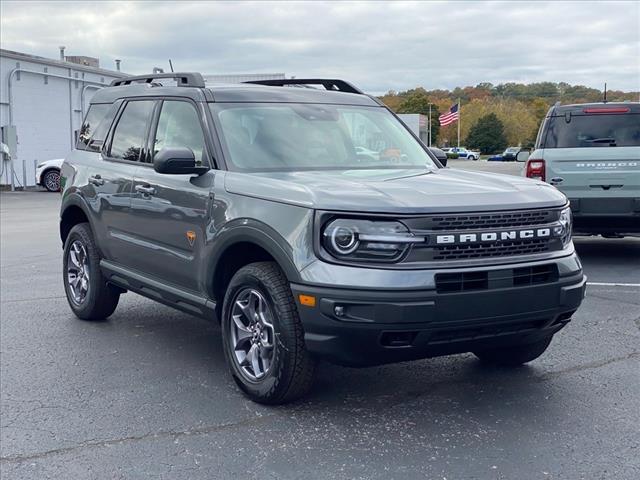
pixel 170 212
pixel 113 181
pixel 169 215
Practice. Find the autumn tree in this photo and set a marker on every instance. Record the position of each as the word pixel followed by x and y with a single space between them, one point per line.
pixel 487 135
pixel 417 101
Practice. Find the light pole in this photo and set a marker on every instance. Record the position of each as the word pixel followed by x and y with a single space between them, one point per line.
pixel 429 131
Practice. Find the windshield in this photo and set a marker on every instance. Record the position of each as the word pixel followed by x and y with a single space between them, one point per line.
pixel 618 130
pixel 511 150
pixel 289 137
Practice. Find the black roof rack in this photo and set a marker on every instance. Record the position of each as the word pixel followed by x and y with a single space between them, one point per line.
pixel 185 79
pixel 327 83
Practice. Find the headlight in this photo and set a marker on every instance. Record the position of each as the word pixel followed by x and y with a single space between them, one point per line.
pixel 368 240
pixel 566 224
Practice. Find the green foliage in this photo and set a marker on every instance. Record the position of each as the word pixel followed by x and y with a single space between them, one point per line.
pixel 488 135
pixel 452 155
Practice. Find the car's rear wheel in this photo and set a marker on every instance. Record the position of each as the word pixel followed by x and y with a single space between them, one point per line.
pixel 51 180
pixel 263 336
pixel 515 355
pixel 88 294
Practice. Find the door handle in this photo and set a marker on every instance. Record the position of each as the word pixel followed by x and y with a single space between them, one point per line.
pixel 96 180
pixel 145 189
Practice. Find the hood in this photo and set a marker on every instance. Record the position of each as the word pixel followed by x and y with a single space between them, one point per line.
pixel 397 191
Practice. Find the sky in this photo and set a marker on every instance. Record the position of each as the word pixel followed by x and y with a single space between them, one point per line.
pixel 378 46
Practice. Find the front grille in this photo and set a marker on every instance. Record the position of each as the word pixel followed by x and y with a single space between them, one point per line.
pixel 493 220
pixel 491 279
pixel 520 247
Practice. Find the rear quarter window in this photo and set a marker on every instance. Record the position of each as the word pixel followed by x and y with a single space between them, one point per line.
pixel 595 130
pixel 95 126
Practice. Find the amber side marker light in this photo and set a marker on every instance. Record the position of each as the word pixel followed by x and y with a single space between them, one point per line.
pixel 307 300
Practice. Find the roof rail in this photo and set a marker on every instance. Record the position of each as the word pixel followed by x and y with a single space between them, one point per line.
pixel 327 83
pixel 185 79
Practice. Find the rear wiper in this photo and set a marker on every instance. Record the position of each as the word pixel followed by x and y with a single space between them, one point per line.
pixel 609 140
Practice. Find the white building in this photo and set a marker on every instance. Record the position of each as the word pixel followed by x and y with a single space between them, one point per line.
pixel 42 104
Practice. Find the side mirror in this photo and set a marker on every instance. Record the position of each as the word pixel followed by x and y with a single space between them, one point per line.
pixel 523 155
pixel 176 161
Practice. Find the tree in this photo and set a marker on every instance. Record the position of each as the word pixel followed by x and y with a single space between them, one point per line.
pixel 487 135
pixel 417 101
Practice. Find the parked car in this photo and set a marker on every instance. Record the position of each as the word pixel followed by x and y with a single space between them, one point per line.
pixel 248 204
pixel 510 154
pixel 464 153
pixel 591 153
pixel 440 155
pixel 48 174
pixel 495 158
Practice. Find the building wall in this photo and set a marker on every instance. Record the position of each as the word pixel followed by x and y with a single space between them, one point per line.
pixel 46 110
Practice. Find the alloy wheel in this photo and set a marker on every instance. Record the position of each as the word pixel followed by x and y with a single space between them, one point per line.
pixel 78 272
pixel 252 334
pixel 52 181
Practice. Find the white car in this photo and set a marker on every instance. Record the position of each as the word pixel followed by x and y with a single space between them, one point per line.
pixel 48 174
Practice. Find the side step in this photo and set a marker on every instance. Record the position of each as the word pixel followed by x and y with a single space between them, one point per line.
pixel 169 295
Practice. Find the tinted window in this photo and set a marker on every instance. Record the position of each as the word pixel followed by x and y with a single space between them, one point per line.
pixel 94 117
pixel 129 134
pixel 179 126
pixel 600 130
pixel 290 137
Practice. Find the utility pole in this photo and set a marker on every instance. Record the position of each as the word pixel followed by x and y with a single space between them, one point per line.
pixel 429 134
pixel 459 120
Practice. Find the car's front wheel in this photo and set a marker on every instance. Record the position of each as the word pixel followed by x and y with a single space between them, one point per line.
pixel 89 295
pixel 263 336
pixel 51 180
pixel 515 355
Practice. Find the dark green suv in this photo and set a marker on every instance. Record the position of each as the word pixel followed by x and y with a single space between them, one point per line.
pixel 307 219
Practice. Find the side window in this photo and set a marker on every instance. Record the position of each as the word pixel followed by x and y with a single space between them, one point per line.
pixel 129 135
pixel 179 126
pixel 92 120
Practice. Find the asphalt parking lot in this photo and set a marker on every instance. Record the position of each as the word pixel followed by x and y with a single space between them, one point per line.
pixel 146 394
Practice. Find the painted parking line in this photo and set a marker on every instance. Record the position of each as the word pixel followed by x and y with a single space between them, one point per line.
pixel 606 284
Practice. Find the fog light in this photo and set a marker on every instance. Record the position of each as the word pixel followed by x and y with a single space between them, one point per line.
pixel 339 311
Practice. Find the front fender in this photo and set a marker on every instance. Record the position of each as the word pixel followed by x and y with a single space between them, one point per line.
pixel 258 233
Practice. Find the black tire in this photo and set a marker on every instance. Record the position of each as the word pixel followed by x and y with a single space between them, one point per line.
pixel 51 180
pixel 291 370
pixel 101 299
pixel 515 355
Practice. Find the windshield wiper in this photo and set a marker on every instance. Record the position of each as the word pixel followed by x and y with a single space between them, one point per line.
pixel 610 140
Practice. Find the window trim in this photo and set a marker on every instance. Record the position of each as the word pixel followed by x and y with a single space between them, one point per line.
pixel 106 152
pixel 153 130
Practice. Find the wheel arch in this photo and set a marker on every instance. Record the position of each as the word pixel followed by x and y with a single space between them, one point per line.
pixel 73 212
pixel 241 245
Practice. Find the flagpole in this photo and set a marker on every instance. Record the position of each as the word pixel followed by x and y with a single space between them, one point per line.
pixel 459 120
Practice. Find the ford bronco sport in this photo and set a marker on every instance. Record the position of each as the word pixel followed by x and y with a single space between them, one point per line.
pixel 591 153
pixel 313 224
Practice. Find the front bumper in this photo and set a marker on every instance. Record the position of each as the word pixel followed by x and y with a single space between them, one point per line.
pixel 360 327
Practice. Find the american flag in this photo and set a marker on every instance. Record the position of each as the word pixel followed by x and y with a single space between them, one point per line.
pixel 451 116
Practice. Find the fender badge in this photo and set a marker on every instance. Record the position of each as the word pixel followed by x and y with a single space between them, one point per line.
pixel 191 236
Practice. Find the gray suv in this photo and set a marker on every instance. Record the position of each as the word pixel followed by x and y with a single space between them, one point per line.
pixel 307 219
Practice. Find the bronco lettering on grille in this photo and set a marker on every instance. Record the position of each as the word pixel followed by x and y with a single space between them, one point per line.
pixel 493 236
